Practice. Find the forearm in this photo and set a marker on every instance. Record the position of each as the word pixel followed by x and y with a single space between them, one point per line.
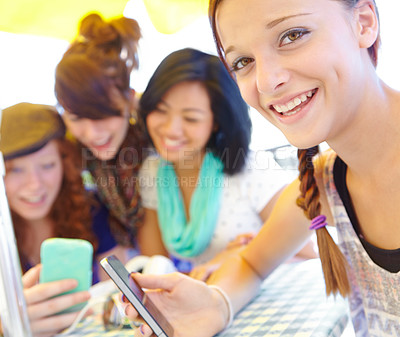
pixel 239 281
pixel 282 235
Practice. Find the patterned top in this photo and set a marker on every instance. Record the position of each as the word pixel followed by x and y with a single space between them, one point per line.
pixel 375 292
pixel 117 186
pixel 244 196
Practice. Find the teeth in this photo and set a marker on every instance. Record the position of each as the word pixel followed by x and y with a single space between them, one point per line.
pixel 101 143
pixel 291 105
pixel 170 142
pixel 293 112
pixel 284 108
pixel 33 199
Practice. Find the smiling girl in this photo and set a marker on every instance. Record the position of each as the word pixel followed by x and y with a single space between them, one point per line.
pixel 206 190
pixel 309 67
pixel 99 108
pixel 47 199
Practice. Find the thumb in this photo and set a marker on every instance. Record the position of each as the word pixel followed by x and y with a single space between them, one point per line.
pixel 31 277
pixel 165 282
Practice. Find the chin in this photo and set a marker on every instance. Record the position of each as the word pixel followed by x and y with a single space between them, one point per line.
pixel 35 216
pixel 171 158
pixel 303 143
pixel 106 155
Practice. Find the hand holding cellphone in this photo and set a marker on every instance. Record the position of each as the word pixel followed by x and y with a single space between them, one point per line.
pixel 67 259
pixel 137 297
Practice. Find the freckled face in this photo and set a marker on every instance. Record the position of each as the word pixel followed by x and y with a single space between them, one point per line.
pixel 296 62
pixel 182 123
pixel 33 182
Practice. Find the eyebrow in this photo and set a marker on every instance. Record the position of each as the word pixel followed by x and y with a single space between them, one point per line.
pixel 277 21
pixel 195 110
pixel 184 110
pixel 271 25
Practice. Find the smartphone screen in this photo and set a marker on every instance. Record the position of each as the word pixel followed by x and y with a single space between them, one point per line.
pixel 134 293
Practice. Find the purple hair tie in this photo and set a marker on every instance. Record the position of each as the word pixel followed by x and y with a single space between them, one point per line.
pixel 318 222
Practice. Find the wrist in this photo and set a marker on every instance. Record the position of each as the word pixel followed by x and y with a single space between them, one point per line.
pixel 226 306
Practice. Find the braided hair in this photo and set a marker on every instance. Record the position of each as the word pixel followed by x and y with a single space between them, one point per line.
pixel 333 262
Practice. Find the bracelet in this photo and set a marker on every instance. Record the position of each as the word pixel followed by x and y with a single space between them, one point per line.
pixel 228 304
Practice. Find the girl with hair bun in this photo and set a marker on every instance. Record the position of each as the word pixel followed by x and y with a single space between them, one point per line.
pixel 309 68
pixel 99 109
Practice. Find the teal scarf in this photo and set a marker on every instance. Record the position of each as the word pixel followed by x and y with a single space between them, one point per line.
pixel 189 239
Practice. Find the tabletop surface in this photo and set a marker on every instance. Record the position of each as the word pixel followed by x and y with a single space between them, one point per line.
pixel 292 303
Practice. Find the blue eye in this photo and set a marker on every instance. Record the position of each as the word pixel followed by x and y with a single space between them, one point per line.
pixel 293 35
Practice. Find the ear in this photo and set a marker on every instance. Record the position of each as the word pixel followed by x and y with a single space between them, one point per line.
pixel 367 23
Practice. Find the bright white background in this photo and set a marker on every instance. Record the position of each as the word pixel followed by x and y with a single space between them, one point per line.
pixel 27 63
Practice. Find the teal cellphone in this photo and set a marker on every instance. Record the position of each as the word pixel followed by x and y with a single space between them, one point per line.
pixel 67 259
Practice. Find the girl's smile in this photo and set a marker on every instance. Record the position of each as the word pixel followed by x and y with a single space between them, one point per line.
pixel 281 55
pixel 294 108
pixel 33 182
pixel 182 123
pixel 103 137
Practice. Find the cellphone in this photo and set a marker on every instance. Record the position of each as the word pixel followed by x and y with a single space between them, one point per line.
pixel 137 297
pixel 67 259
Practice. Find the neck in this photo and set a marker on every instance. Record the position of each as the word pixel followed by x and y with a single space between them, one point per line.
pixel 189 167
pixel 369 143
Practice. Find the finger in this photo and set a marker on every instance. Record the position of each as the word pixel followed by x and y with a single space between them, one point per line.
pixel 54 324
pixel 43 291
pixel 133 315
pixel 120 303
pixel 31 277
pixel 166 282
pixel 131 312
pixel 199 274
pixel 143 330
pixel 202 274
pixel 56 304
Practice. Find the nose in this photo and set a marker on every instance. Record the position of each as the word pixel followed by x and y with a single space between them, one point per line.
pixel 34 179
pixel 172 126
pixel 90 129
pixel 271 75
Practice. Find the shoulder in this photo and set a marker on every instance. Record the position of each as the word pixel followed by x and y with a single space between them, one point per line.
pixel 323 165
pixel 148 181
pixel 149 166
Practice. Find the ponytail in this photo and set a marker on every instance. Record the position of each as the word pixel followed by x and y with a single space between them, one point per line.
pixel 333 262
